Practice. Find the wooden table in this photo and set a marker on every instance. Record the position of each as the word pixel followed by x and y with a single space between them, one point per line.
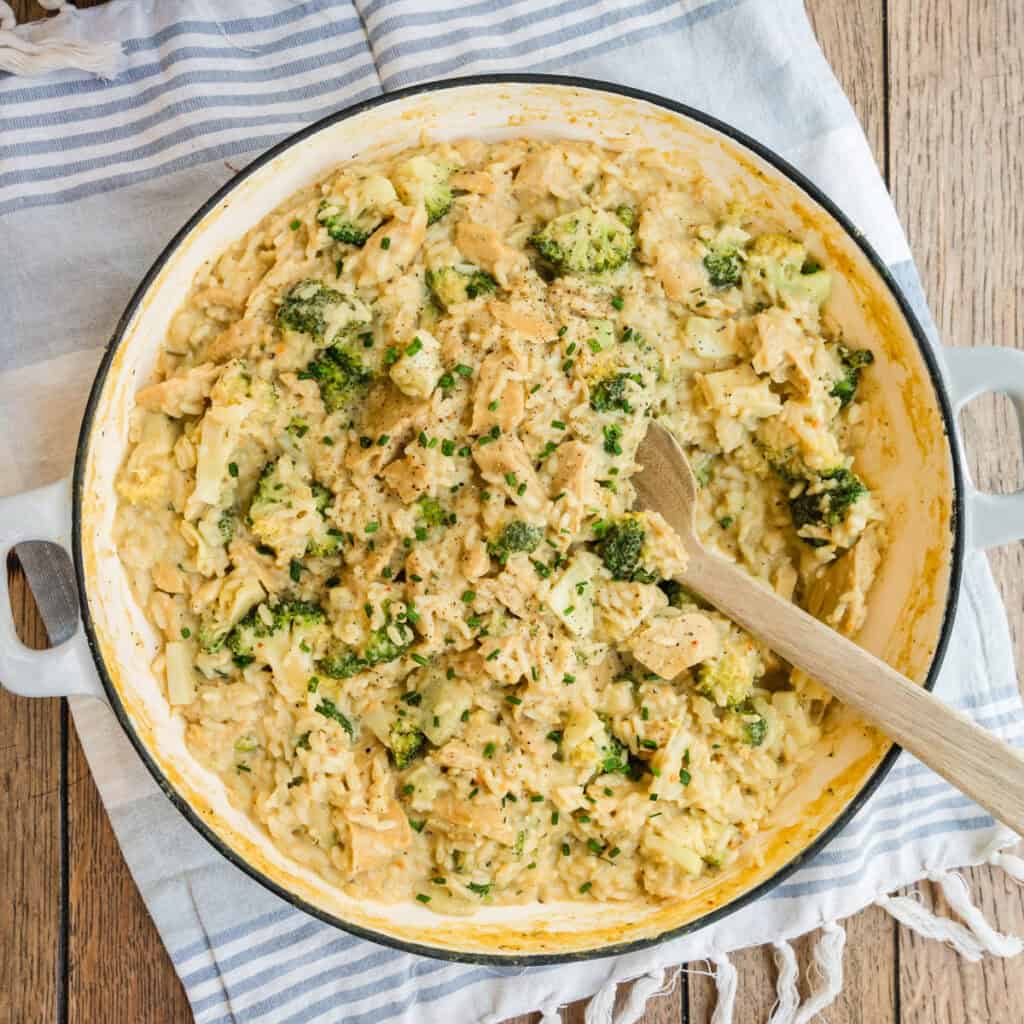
pixel 939 86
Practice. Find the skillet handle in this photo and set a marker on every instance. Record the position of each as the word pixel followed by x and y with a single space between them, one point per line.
pixel 63 671
pixel 992 519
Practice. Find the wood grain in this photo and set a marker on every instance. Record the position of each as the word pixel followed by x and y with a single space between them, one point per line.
pixel 954 97
pixel 31 936
pixel 957 134
pixel 130 979
pixel 869 987
pixel 29 10
pixel 989 992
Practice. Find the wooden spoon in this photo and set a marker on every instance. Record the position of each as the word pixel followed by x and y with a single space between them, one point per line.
pixel 976 762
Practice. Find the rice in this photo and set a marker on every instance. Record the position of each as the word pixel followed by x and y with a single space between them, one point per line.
pixel 377 504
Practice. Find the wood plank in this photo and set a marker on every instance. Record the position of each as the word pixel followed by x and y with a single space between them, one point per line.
pixel 869 971
pixel 755 986
pixel 30 10
pixel 957 88
pixel 869 985
pixel 27 10
pixel 130 979
pixel 30 841
pixel 989 992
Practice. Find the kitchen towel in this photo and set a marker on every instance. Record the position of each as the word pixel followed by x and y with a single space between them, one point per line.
pixel 96 174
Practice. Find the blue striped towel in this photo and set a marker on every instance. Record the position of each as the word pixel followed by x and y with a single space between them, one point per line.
pixel 203 87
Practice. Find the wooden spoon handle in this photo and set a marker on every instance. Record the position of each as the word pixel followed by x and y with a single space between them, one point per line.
pixel 976 762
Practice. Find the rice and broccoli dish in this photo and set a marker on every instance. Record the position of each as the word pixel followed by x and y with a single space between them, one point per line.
pixel 377 505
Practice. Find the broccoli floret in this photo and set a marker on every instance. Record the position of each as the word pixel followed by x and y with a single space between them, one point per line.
pixel 515 536
pixel 238 594
pixel 267 486
pixel 621 547
pixel 355 216
pixel 776 259
pixel 853 360
pixel 327 540
pixel 243 639
pixel 678 596
pixel 587 742
pixel 210 636
pixel 341 663
pixel 703 470
pixel 755 726
pixel 726 253
pixel 626 214
pixel 613 392
pixel 226 523
pixel 344 228
pixel 825 502
pixel 382 646
pixel 287 516
pixel 782 266
pixel 728 678
pixel 787 464
pixel 724 267
pixel 420 179
pixel 614 755
pixel 585 241
pixel 385 644
pixel 310 307
pixel 405 740
pixel 339 375
pixel 453 285
pixel 303 307
pixel 322 496
pixel 270 490
pixel 292 612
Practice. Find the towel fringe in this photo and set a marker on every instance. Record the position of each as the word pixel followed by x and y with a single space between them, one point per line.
pixel 643 989
pixel 602 1002
pixel 975 936
pixel 725 983
pixel 919 919
pixel 828 959
pixel 787 995
pixel 958 896
pixel 550 1014
pixel 21 56
pixel 1013 866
